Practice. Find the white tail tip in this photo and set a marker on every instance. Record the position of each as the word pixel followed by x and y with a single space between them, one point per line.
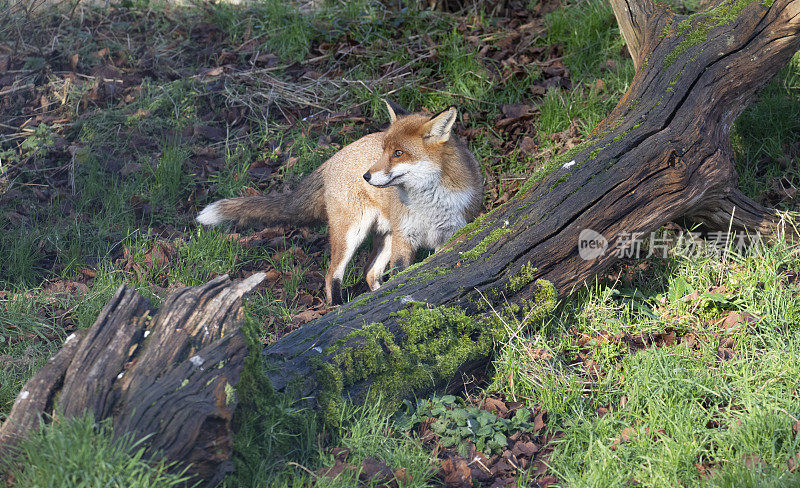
pixel 210 215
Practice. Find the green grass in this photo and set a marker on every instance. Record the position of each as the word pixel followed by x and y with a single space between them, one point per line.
pixel 26 341
pixel 368 432
pixel 167 178
pixel 670 396
pixel 281 27
pixel 81 453
pixel 589 35
pixel 591 42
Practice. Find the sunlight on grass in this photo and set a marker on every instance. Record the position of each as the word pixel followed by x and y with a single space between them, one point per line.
pixel 682 405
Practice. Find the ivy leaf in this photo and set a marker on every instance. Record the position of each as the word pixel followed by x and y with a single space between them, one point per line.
pixel 459 416
pixel 500 439
pixel 485 418
pixel 449 441
pixel 440 427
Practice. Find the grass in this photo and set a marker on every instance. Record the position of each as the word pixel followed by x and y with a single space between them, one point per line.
pixel 82 453
pixel 103 191
pixel 764 135
pixel 591 45
pixel 686 412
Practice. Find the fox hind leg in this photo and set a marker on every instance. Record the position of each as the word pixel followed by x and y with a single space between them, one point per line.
pixel 344 243
pixel 381 253
pixel 402 253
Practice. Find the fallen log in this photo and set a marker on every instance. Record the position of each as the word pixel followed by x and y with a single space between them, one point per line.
pixel 167 374
pixel 664 153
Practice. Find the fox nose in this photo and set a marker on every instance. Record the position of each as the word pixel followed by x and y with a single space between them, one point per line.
pixel 367 175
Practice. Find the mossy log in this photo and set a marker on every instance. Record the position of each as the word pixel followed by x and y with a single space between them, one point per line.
pixel 166 374
pixel 664 153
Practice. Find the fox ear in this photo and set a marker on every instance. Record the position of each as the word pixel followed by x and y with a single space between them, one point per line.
pixel 438 128
pixel 394 110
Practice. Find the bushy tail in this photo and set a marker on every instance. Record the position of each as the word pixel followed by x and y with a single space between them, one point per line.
pixel 306 206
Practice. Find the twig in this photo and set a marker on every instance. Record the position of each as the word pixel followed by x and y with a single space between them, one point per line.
pixel 292 463
pixel 480 463
pixel 14 89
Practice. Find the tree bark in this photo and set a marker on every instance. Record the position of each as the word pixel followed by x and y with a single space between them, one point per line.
pixel 166 374
pixel 663 153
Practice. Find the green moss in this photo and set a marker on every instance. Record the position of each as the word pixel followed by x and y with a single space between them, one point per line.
pixel 361 301
pixel 329 395
pixel 700 24
pixel 429 274
pixel 230 394
pixel 695 37
pixel 442 339
pixel 665 32
pixel 412 267
pixel 542 302
pixel 522 278
pixel 269 427
pixel 480 248
pixel 481 222
pixel 436 342
pixel 554 164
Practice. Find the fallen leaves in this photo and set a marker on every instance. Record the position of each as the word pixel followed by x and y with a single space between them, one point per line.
pixel 516 113
pixel 372 471
pixel 457 473
pixel 733 320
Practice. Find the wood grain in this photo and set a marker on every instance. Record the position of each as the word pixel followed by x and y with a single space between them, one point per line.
pixel 166 374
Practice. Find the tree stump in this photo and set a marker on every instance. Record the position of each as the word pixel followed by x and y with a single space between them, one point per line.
pixel 168 374
pixel 662 154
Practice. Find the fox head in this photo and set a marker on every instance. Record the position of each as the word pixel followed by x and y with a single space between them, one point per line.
pixel 414 149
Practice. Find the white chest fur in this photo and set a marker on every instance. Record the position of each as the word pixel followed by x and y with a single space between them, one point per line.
pixel 434 214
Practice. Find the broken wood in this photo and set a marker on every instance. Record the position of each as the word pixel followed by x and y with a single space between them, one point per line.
pixel 662 154
pixel 167 374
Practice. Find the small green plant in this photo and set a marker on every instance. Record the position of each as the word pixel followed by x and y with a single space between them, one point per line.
pixel 37 143
pixel 714 300
pixel 457 423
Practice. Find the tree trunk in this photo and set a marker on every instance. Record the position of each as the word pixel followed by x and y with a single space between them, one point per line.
pixel 167 374
pixel 663 153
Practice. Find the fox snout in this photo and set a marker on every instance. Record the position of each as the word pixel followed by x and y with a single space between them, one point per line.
pixel 381 178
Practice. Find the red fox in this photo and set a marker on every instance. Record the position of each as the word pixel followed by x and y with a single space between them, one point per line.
pixel 412 186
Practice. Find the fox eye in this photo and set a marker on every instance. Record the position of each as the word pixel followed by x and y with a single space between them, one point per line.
pixel 398 153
